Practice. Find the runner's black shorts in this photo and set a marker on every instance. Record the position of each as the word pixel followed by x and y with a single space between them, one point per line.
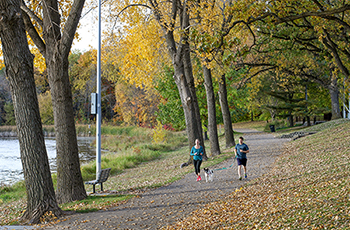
pixel 242 161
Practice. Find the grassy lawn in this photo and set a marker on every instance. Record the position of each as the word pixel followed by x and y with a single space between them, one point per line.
pixel 257 125
pixel 308 188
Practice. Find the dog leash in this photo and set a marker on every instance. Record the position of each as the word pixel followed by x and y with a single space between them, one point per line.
pixel 223 168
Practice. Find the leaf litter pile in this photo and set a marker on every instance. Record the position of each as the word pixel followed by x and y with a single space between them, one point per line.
pixel 307 188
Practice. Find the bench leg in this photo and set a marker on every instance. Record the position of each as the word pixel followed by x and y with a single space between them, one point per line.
pixel 93 188
pixel 101 187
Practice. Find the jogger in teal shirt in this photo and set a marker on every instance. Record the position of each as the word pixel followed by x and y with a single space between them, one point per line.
pixel 197 153
pixel 241 151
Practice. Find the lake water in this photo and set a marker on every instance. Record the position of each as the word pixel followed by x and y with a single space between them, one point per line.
pixel 10 161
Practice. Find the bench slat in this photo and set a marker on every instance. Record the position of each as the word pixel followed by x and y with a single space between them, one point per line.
pixel 102 177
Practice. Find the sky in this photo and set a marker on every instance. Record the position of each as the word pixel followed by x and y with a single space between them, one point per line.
pixel 88 32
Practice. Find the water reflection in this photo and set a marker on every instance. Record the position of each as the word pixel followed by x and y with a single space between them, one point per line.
pixel 10 161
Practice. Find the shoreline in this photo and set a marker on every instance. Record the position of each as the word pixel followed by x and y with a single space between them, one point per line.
pixel 46 134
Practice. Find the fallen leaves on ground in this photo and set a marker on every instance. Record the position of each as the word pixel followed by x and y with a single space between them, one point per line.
pixel 308 188
pixel 11 212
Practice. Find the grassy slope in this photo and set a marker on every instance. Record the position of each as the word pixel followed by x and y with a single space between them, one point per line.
pixel 307 189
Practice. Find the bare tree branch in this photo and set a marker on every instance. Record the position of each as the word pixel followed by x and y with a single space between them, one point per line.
pixel 245 80
pixel 33 33
pixel 322 14
pixel 31 14
pixel 71 26
pixel 125 8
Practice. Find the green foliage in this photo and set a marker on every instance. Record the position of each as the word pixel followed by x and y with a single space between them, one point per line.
pixel 238 99
pixel 171 111
pixel 10 114
pixel 45 108
pixel 5 96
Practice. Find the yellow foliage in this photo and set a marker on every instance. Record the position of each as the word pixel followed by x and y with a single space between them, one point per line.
pixel 2 64
pixel 140 54
pixel 159 134
pixel 39 60
pixel 135 105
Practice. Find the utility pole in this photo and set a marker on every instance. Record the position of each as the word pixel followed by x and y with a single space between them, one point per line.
pixel 99 115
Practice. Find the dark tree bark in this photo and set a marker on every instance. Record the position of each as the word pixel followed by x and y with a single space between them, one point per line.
pixel 331 84
pixel 188 70
pixel 226 115
pixel 55 47
pixel 19 70
pixel 212 125
pixel 334 92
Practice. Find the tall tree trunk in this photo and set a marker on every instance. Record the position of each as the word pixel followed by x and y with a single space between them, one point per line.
pixel 192 89
pixel 188 70
pixel 334 92
pixel 226 115
pixel 185 25
pixel 187 101
pixel 212 125
pixel 19 70
pixel 291 122
pixel 176 52
pixel 70 184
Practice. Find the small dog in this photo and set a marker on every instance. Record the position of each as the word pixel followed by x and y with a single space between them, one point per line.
pixel 209 174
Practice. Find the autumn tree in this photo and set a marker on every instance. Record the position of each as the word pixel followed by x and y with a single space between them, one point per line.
pixel 136 105
pixel 330 21
pixel 319 29
pixel 53 39
pixel 82 73
pixel 19 70
pixel 276 17
pixel 295 51
pixel 170 16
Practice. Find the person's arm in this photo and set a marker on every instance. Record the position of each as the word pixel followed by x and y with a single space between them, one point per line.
pixel 235 151
pixel 247 149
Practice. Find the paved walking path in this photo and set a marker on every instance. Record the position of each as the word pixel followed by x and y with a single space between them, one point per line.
pixel 169 204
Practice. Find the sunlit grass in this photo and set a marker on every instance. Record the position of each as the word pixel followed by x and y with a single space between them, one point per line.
pixel 94 203
pixel 258 125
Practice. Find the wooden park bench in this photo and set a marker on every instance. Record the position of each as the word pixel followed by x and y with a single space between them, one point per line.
pixel 102 177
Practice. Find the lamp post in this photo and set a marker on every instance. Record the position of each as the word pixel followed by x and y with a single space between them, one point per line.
pixel 99 115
